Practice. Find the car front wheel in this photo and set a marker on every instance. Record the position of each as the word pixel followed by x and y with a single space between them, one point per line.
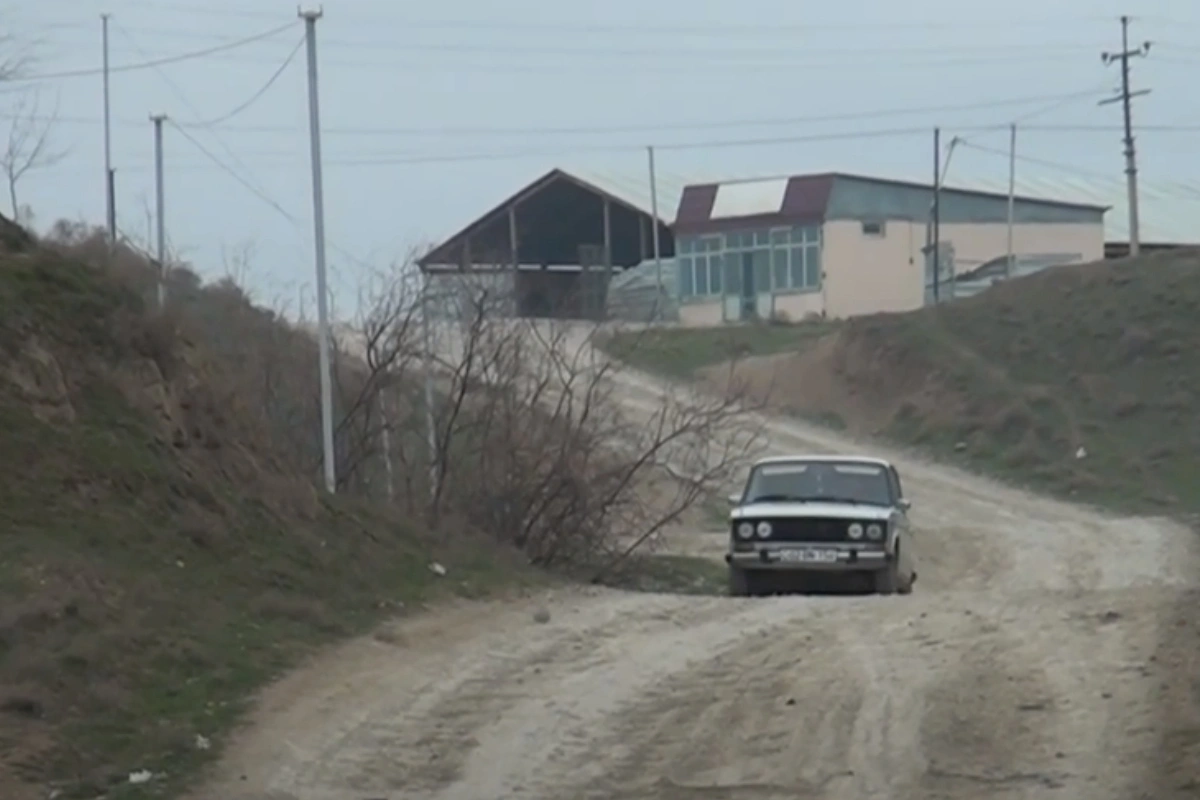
pixel 741 583
pixel 888 579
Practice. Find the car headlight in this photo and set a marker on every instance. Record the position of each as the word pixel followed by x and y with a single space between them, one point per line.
pixel 764 530
pixel 855 530
pixel 745 530
pixel 875 531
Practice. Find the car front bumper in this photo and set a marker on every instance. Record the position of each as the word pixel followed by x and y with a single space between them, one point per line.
pixel 848 558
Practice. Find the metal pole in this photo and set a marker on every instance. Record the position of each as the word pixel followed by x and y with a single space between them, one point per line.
pixel 935 233
pixel 431 429
pixel 323 343
pixel 658 270
pixel 1012 196
pixel 157 119
pixel 110 216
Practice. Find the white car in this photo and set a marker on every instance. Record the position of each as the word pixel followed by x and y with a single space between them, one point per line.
pixel 801 519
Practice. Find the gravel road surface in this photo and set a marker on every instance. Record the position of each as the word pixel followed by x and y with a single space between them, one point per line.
pixel 1034 661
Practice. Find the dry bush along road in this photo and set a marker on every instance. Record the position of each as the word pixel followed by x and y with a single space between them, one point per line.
pixel 1037 658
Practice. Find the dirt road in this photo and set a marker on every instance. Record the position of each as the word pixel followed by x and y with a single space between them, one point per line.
pixel 1035 660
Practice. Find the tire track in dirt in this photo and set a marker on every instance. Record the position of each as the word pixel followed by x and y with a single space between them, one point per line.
pixel 719 729
pixel 548 741
pixel 1168 765
pixel 427 742
pixel 986 729
pixel 1024 667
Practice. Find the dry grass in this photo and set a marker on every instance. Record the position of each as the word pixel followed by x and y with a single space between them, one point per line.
pixel 164 553
pixel 165 550
pixel 680 352
pixel 1016 380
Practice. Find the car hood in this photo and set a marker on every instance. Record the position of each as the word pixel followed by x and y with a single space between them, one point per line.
pixel 802 510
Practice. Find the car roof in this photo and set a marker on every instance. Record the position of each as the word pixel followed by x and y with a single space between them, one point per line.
pixel 824 458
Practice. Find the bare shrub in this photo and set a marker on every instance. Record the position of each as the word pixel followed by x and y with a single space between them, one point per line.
pixel 536 441
pixel 531 435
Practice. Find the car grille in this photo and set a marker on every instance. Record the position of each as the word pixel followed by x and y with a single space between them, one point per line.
pixel 809 530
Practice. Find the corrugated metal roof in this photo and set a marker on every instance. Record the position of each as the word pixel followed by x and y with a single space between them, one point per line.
pixel 635 189
pixel 1169 212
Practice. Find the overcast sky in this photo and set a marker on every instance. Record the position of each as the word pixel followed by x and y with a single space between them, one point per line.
pixel 431 116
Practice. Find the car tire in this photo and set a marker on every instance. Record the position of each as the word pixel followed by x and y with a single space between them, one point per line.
pixel 887 580
pixel 741 583
pixel 738 583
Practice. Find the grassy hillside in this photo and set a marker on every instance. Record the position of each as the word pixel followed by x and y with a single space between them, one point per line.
pixel 159 558
pixel 680 352
pixel 1081 381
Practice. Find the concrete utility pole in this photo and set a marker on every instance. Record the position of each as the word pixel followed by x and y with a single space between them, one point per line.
pixel 158 119
pixel 658 270
pixel 323 334
pixel 110 193
pixel 935 234
pixel 1125 96
pixel 1012 196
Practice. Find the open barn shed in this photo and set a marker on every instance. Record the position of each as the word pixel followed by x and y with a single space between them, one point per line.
pixel 551 248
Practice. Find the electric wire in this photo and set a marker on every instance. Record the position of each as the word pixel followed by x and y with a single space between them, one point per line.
pixel 264 196
pixel 254 98
pixel 183 98
pixel 151 63
pixel 588 130
pixel 247 185
pixel 715 27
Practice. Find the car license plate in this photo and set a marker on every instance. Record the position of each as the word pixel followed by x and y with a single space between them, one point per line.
pixel 808 556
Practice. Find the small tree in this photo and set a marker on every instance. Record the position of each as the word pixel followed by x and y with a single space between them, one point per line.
pixel 28 145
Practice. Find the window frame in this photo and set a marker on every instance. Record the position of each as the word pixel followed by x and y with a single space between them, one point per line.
pixel 705 259
pixel 879 225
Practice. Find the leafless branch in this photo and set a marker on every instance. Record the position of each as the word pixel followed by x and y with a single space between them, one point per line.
pixel 28 146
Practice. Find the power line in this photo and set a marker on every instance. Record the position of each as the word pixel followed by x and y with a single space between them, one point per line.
pixel 154 63
pixel 1055 105
pixel 262 195
pixel 391 44
pixel 1081 171
pixel 704 62
pixel 1180 127
pixel 1170 189
pixel 417 159
pixel 658 127
pixel 178 92
pixel 716 27
pixel 247 185
pixel 254 98
pixel 712 56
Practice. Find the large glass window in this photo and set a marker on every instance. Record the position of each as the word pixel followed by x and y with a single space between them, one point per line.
pixel 783 259
pixel 699 266
pixel 797 258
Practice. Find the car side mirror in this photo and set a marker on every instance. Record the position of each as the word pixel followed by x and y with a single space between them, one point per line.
pixel 735 500
pixel 904 504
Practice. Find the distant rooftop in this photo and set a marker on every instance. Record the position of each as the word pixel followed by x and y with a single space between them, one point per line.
pixel 1169 211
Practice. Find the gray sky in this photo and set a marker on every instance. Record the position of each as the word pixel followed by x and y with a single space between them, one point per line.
pixel 412 100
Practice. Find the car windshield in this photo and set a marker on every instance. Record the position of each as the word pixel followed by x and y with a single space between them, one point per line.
pixel 824 481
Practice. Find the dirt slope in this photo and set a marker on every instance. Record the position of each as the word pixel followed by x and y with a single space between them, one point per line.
pixel 1097 360
pixel 159 560
pixel 1045 654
